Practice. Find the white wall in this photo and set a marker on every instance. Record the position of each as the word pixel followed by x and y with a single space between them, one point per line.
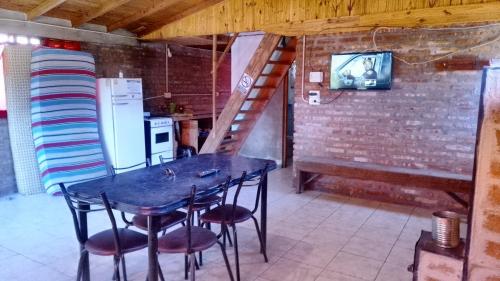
pixel 265 140
pixel 241 53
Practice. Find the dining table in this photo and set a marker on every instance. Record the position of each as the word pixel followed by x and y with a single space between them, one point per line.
pixel 158 190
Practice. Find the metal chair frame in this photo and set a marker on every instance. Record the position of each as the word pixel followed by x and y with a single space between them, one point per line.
pixel 86 206
pixel 192 263
pixel 232 224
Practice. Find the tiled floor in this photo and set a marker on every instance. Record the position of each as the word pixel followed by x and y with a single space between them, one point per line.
pixel 311 236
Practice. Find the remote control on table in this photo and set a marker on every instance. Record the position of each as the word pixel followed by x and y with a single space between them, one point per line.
pixel 208 172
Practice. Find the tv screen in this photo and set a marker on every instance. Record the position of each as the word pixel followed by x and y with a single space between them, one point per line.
pixel 361 71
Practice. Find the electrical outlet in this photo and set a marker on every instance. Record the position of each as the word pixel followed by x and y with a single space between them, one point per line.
pixel 167 95
pixel 314 98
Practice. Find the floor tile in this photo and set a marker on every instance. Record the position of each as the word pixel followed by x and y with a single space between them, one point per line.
pixel 306 235
pixel 391 272
pixel 288 270
pixel 400 256
pixel 356 266
pixel 313 254
pixel 335 276
pixel 368 248
pixel 6 253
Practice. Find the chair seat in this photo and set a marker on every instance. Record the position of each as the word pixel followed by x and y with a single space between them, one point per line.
pixel 103 243
pixel 205 202
pixel 222 214
pixel 177 240
pixel 166 221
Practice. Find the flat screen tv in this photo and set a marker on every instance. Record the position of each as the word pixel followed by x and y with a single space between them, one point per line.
pixel 361 71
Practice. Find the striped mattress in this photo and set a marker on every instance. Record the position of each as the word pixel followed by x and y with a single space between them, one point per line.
pixel 64 117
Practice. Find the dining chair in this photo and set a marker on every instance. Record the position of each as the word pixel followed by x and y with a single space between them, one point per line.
pixel 232 214
pixel 114 242
pixel 140 221
pixel 201 204
pixel 190 239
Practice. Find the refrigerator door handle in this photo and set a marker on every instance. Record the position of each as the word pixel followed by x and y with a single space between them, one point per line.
pixel 121 103
pixel 119 96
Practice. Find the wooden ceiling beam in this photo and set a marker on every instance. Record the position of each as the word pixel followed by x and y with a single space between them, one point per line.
pixel 43 8
pixel 196 41
pixel 186 13
pixel 155 7
pixel 103 9
pixel 289 19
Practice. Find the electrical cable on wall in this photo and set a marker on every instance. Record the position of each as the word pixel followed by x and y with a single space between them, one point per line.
pixel 401 59
pixel 335 98
pixel 303 68
pixel 497 38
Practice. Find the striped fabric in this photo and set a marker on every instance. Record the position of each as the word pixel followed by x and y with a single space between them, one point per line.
pixel 64 117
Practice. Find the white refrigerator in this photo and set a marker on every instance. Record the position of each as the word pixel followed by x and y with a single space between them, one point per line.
pixel 121 122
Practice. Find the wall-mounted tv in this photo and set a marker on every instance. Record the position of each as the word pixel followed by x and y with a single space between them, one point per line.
pixel 361 71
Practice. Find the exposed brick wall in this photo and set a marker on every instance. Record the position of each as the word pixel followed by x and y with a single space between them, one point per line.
pixel 188 73
pixel 146 61
pixel 427 120
pixel 8 181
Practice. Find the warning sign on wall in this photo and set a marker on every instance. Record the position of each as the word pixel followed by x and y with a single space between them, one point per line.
pixel 245 83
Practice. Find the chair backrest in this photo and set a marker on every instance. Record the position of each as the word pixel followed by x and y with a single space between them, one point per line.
pixel 262 178
pixel 86 206
pixel 241 182
pixel 231 214
pixel 113 169
pixel 189 216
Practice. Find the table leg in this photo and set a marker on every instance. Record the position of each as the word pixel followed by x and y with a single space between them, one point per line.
pixel 82 218
pixel 153 228
pixel 263 212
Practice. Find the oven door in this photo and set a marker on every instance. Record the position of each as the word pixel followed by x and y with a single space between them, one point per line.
pixel 161 139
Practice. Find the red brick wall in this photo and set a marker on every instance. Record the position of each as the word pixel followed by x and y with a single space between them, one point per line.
pixel 426 121
pixel 197 65
pixel 189 73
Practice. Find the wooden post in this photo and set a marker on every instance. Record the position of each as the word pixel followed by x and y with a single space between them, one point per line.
pixel 214 81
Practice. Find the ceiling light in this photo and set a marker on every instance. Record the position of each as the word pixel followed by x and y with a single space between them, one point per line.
pixel 23 40
pixel 35 41
pixel 4 38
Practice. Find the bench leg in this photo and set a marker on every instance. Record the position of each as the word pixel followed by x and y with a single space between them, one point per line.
pixel 299 180
pixel 458 199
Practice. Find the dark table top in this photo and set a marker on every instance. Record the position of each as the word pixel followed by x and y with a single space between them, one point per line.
pixel 149 191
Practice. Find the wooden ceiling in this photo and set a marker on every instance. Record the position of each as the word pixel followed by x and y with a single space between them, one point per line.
pixel 163 19
pixel 137 16
pixel 306 17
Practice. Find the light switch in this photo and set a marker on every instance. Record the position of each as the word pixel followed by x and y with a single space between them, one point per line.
pixel 314 98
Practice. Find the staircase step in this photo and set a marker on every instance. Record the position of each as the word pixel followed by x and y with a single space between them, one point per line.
pixel 251 111
pixel 286 49
pixel 264 87
pixel 228 141
pixel 272 75
pixel 242 121
pixel 225 149
pixel 279 62
pixel 236 132
pixel 256 99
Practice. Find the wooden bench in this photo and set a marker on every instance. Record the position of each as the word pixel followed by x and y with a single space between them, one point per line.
pixel 450 183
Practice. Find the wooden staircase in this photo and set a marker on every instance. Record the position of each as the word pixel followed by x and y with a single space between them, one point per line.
pixel 256 87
